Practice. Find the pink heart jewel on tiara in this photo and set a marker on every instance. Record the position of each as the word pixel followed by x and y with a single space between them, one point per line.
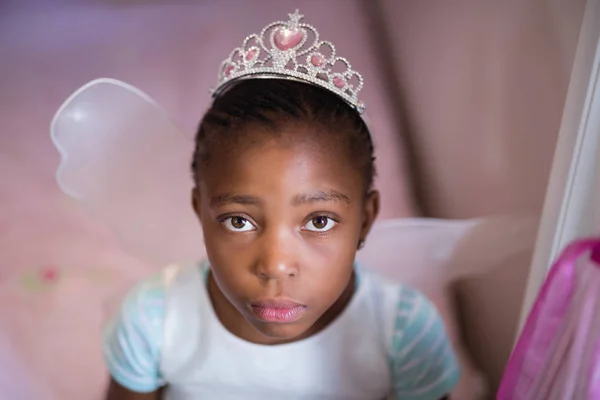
pixel 286 39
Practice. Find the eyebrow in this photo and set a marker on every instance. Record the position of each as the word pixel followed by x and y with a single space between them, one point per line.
pixel 224 199
pixel 329 196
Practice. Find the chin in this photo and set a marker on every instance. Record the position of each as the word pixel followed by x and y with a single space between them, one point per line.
pixel 283 332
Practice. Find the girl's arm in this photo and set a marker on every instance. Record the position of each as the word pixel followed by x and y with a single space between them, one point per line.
pixel 118 392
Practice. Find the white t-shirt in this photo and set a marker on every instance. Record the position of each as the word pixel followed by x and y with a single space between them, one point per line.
pixel 388 341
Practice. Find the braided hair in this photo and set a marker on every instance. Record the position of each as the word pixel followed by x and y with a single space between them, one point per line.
pixel 274 104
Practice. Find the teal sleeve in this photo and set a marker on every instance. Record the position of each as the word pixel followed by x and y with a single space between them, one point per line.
pixel 133 339
pixel 423 363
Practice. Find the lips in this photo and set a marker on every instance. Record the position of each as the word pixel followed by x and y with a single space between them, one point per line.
pixel 282 311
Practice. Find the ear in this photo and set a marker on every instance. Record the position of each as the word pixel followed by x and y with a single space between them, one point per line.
pixel 370 212
pixel 196 202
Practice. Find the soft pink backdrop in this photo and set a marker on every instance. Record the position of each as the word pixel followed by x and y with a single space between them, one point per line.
pixel 466 96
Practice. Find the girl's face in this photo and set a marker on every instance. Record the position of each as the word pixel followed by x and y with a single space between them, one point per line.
pixel 282 219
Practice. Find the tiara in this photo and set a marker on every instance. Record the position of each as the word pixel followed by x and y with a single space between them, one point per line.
pixel 292 50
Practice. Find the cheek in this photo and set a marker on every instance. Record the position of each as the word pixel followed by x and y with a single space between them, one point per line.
pixel 231 282
pixel 326 287
pixel 327 256
pixel 229 266
pixel 224 248
pixel 328 264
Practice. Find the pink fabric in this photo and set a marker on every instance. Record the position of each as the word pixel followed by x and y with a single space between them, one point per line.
pixel 550 357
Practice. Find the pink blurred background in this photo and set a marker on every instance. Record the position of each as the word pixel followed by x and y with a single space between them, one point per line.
pixel 464 101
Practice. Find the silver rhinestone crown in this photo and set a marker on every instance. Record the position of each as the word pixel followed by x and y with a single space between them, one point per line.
pixel 292 50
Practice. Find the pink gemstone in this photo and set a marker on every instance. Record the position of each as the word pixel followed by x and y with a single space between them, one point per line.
pixel 339 81
pixel 316 60
pixel 250 55
pixel 228 70
pixel 286 39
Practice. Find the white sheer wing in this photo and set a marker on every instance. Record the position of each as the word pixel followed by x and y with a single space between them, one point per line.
pixel 125 161
pixel 432 252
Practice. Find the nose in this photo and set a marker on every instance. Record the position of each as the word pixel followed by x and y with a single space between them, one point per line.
pixel 277 259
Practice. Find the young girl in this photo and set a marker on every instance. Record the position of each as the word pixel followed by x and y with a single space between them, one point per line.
pixel 283 170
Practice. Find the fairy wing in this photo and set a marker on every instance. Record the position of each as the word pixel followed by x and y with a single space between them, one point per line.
pixel 127 163
pixel 431 252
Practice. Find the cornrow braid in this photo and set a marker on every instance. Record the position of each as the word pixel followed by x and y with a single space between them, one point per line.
pixel 273 103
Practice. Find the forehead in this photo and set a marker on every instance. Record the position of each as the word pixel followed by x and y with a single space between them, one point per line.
pixel 290 161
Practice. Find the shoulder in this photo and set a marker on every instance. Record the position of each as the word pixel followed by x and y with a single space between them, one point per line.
pixel 147 296
pixel 144 305
pixel 132 340
pixel 423 362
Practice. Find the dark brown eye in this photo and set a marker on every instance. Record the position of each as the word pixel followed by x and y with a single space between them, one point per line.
pixel 320 222
pixel 238 222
